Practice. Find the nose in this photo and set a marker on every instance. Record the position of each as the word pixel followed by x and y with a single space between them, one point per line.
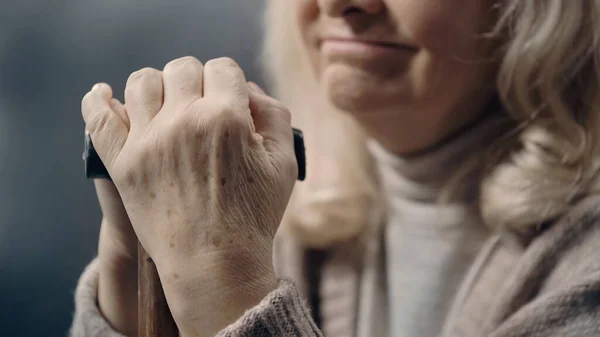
pixel 340 8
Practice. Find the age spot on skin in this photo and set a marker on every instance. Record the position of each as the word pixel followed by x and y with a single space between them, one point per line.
pixel 152 195
pixel 216 241
pixel 172 245
pixel 223 181
pixel 176 275
pixel 144 178
pixel 250 181
pixel 175 164
pixel 169 213
pixel 130 180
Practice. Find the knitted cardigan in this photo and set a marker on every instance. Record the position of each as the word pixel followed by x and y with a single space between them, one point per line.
pixel 549 286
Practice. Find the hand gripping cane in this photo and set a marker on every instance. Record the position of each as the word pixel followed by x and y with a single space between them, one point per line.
pixel 154 317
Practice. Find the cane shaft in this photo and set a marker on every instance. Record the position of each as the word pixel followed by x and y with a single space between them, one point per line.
pixel 154 317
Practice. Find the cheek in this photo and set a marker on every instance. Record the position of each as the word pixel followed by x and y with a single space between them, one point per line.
pixel 444 28
pixel 306 14
pixel 447 31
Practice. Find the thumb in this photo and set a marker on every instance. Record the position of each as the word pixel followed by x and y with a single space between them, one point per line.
pixel 272 120
pixel 107 129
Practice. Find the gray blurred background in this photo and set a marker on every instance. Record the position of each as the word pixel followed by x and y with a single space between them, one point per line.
pixel 51 53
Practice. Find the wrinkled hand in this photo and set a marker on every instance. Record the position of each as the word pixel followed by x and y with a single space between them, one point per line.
pixel 205 167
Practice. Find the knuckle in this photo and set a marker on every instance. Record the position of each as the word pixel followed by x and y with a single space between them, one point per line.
pixel 291 166
pixel 184 122
pixel 285 113
pixel 223 63
pixel 143 74
pixel 224 108
pixel 224 123
pixel 131 171
pixel 225 114
pixel 183 129
pixel 126 175
pixel 98 120
pixel 145 86
pixel 182 62
pixel 86 103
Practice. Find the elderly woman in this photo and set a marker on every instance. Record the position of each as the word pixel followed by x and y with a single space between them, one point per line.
pixel 453 152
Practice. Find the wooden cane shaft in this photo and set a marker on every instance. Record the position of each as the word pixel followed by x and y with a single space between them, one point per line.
pixel 154 317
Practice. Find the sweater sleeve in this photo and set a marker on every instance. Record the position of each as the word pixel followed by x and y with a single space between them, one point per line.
pixel 88 320
pixel 282 313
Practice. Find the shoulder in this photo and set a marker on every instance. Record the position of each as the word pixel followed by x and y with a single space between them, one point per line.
pixel 584 216
pixel 576 231
pixel 567 248
pixel 554 290
pixel 570 248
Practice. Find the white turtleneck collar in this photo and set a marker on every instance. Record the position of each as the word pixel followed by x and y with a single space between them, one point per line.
pixel 429 246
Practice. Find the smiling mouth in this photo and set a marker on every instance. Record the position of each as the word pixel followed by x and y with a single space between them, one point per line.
pixel 369 43
pixel 366 51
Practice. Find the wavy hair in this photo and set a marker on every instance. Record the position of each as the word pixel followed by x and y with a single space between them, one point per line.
pixel 548 55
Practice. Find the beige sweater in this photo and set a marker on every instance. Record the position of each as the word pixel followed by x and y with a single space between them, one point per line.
pixel 549 287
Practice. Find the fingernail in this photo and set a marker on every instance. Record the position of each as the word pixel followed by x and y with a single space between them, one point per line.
pixel 254 87
pixel 96 86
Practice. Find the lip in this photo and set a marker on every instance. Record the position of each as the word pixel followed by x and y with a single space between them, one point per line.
pixel 368 42
pixel 364 48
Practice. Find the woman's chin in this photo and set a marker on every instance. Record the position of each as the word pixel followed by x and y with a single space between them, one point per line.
pixel 355 90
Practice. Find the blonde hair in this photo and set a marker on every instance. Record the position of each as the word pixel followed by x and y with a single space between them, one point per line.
pixel 547 81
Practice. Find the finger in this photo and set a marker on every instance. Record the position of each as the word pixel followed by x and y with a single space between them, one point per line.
pixel 143 96
pixel 253 87
pixel 225 80
pixel 107 187
pixel 119 108
pixel 271 120
pixel 182 80
pixel 110 201
pixel 106 128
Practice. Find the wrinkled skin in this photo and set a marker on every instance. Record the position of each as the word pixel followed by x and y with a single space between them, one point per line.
pixel 204 164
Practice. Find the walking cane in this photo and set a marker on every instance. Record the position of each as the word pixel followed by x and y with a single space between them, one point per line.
pixel 154 317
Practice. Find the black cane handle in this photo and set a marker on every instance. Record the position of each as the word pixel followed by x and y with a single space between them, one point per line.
pixel 94 168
